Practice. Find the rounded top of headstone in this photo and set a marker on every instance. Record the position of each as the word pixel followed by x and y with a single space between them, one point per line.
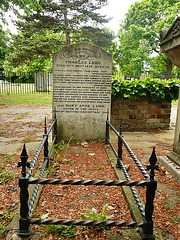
pixel 82 51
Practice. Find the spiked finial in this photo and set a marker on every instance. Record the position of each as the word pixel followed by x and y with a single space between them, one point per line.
pixel 152 166
pixel 24 163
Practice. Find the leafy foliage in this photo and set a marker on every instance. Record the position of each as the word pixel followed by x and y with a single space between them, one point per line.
pixel 44 31
pixel 4 49
pixel 94 216
pixel 26 5
pixel 139 34
pixel 62 230
pixel 154 89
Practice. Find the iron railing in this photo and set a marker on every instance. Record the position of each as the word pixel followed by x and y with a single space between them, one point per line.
pixel 25 208
pixel 25 84
pixel 151 184
pixel 25 180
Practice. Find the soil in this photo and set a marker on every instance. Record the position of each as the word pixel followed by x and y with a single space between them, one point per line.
pixel 24 124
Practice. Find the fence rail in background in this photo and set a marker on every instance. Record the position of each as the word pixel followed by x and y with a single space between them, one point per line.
pixel 42 82
pixel 26 84
pixel 26 209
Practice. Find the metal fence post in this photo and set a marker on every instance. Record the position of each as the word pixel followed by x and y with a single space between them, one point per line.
pixel 55 126
pixel 150 194
pixel 24 223
pixel 46 157
pixel 107 128
pixel 119 158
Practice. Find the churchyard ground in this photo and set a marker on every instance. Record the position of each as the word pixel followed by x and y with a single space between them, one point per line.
pixel 24 123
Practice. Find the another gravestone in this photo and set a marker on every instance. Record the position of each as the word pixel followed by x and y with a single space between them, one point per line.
pixel 170 45
pixel 81 91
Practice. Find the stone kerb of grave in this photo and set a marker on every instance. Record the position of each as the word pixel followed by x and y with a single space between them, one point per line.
pixel 81 91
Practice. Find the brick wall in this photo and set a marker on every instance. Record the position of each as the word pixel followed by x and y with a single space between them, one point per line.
pixel 140 114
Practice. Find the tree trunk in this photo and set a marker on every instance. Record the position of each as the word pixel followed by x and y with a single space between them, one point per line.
pixel 169 68
pixel 66 23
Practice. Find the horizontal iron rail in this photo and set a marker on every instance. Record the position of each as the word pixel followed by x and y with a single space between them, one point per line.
pixel 133 190
pixel 51 147
pixel 141 168
pixel 31 202
pixel 29 172
pixel 86 182
pixel 52 125
pixel 78 222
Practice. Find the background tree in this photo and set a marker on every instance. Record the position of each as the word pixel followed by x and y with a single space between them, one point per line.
pixel 45 30
pixel 143 21
pixel 26 5
pixel 4 48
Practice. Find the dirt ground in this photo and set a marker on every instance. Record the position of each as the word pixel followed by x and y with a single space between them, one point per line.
pixel 25 124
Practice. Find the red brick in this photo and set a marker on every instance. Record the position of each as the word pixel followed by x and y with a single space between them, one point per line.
pixel 156 111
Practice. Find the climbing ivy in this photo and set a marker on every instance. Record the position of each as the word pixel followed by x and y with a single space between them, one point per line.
pixel 154 89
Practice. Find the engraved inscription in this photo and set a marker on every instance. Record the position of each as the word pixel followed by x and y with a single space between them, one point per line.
pixel 82 82
pixel 81 91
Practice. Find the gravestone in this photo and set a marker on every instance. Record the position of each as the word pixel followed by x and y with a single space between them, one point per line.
pixel 170 45
pixel 81 91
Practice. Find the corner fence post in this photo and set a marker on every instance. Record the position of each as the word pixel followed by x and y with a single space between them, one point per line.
pixel 107 127
pixel 24 223
pixel 150 194
pixel 46 157
pixel 119 158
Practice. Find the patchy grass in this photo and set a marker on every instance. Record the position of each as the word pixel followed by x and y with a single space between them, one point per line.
pixel 40 99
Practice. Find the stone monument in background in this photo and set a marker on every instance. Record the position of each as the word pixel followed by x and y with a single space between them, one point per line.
pixel 170 45
pixel 81 91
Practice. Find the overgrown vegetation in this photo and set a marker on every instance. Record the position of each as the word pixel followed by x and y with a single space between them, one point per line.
pixel 6 216
pixel 95 216
pixel 154 89
pixel 61 230
pixel 6 176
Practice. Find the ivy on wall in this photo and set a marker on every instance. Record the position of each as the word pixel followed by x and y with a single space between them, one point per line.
pixel 154 89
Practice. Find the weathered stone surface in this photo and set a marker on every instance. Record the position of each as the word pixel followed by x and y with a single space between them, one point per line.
pixel 170 42
pixel 175 155
pixel 81 91
pixel 170 45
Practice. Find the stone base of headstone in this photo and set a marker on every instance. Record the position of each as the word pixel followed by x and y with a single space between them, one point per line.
pixel 174 157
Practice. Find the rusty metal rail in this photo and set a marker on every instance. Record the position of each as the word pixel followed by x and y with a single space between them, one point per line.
pixel 79 222
pixel 87 182
pixel 151 183
pixel 25 180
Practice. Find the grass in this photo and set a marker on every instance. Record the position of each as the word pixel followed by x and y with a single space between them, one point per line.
pixel 37 98
pixel 40 99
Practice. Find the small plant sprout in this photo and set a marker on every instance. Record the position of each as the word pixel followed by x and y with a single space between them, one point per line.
pixel 94 216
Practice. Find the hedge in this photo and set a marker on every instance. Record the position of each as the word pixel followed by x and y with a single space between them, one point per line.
pixel 154 89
